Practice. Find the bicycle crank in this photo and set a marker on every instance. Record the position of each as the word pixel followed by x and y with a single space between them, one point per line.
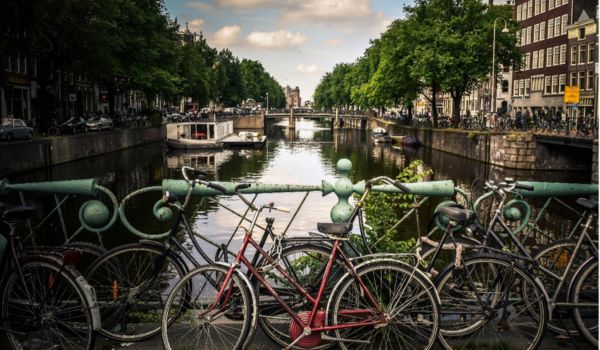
pixel 297 330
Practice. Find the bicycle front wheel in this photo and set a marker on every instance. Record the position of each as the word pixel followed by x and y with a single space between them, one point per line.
pixel 209 320
pixel 585 290
pixel 46 309
pixel 132 283
pixel 408 302
pixel 489 302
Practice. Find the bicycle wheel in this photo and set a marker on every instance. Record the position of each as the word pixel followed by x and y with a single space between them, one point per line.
pixel 408 300
pixel 553 260
pixel 132 282
pixel 47 308
pixel 208 323
pixel 484 305
pixel 585 290
pixel 305 264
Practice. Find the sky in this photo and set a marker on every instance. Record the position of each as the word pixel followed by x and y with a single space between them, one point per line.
pixel 297 41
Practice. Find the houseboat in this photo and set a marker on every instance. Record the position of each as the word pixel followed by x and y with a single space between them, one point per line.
pixel 380 135
pixel 206 134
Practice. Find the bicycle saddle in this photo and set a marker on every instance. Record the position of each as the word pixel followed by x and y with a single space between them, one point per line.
pixel 14 212
pixel 588 203
pixel 334 229
pixel 457 214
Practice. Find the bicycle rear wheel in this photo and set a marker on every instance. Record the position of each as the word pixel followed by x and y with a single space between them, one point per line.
pixel 585 290
pixel 132 283
pixel 408 302
pixel 46 309
pixel 208 323
pixel 488 303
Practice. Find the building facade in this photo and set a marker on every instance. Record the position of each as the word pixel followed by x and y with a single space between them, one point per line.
pixel 539 85
pixel 292 97
pixel 583 62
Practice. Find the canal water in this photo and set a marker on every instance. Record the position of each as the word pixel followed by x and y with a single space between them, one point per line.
pixel 306 155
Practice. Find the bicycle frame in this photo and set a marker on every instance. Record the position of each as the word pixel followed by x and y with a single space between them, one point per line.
pixel 336 251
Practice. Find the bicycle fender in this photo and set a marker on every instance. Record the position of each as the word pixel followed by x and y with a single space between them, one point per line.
pixel 581 268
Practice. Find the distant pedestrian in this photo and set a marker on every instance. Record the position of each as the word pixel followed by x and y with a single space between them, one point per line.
pixel 549 121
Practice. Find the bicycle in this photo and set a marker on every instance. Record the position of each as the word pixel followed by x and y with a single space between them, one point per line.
pixel 542 264
pixel 223 300
pixel 45 302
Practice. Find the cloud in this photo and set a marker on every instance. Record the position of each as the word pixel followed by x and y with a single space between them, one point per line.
pixel 309 68
pixel 344 10
pixel 228 35
pixel 247 4
pixel 333 42
pixel 203 6
pixel 195 25
pixel 275 40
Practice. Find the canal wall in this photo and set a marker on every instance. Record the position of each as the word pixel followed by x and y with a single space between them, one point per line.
pixel 39 153
pixel 251 121
pixel 514 150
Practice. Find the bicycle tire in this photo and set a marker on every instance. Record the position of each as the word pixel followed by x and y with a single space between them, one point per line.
pixel 554 258
pixel 272 318
pixel 131 298
pixel 585 289
pixel 413 301
pixel 472 315
pixel 57 289
pixel 188 331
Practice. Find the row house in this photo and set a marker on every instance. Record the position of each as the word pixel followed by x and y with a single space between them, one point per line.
pixel 540 83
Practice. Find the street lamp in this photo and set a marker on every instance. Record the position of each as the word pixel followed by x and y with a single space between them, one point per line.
pixel 505 30
pixel 267 103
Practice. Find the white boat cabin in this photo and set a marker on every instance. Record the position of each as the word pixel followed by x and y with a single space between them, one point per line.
pixel 199 131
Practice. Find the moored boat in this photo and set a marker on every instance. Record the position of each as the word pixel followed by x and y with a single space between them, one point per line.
pixel 380 135
pixel 198 134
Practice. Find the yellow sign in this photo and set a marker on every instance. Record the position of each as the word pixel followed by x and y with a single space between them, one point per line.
pixel 571 94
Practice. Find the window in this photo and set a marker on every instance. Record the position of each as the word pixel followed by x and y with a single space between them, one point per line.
pixel 582 54
pixel 515 88
pixel 581 33
pixel 549 57
pixel 590 80
pixel 561 82
pixel 573 55
pixel 548 84
pixel 519 13
pixel 528 61
pixel 563 53
pixel 557 26
pixel 522 87
pixel 524 11
pixel 504 86
pixel 527 87
pixel 530 9
pixel 528 35
pixel 543 7
pixel 541 59
pixel 534 61
pixel 555 84
pixel 523 37
pixel 542 31
pixel 565 2
pixel 7 65
pixel 536 33
pixel 556 55
pixel 550 27
pixel 573 78
pixel 564 20
pixel 536 10
pixel 551 4
pixel 591 52
pixel 582 80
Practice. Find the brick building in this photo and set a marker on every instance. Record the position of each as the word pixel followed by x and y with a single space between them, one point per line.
pixel 540 83
pixel 292 97
pixel 583 60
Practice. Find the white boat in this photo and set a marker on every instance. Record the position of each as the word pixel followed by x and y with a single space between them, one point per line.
pixel 246 139
pixel 198 134
pixel 380 135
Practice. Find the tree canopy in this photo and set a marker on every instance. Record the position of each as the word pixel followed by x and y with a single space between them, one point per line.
pixel 443 46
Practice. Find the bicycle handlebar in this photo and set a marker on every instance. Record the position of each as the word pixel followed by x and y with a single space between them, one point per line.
pixel 390 181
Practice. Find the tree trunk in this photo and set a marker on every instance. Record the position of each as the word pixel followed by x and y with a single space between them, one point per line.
pixel 456 102
pixel 434 112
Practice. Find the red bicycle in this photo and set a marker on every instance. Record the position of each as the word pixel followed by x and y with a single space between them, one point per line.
pixel 383 302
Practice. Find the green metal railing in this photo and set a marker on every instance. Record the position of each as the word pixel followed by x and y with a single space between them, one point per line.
pixel 96 217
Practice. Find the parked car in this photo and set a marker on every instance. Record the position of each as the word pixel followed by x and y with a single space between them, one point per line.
pixel 99 123
pixel 73 125
pixel 11 129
